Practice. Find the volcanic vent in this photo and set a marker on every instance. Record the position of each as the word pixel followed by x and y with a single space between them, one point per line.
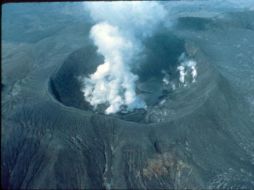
pixel 157 69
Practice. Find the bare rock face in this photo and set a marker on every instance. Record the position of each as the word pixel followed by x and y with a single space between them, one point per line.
pixel 199 137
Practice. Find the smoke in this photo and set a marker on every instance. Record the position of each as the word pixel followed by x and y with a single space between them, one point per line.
pixel 135 18
pixel 117 34
pixel 187 69
pixel 113 82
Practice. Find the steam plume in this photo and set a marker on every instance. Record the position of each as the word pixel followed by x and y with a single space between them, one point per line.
pixel 187 67
pixel 117 35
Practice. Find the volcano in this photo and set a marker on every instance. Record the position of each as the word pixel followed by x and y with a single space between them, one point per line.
pixel 195 135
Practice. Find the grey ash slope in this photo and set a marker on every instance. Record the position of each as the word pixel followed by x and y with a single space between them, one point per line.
pixel 50 139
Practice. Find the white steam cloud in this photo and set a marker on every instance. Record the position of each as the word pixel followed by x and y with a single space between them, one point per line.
pixel 188 67
pixel 113 82
pixel 117 34
pixel 187 70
